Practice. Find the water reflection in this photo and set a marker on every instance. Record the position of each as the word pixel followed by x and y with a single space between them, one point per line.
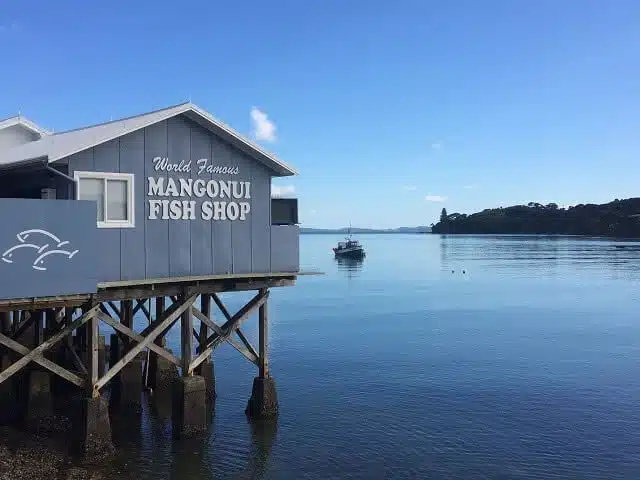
pixel 352 266
pixel 263 435
pixel 546 255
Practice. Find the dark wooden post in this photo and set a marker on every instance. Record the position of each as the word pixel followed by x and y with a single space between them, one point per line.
pixel 186 337
pixel 152 374
pixel 92 357
pixel 37 327
pixel 5 323
pixel 205 308
pixel 126 311
pixel 263 338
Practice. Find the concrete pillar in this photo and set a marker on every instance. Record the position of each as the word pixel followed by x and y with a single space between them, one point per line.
pixel 129 386
pixel 5 322
pixel 166 376
pixel 189 406
pixel 153 365
pixel 93 431
pixel 39 402
pixel 264 399
pixel 8 398
pixel 208 372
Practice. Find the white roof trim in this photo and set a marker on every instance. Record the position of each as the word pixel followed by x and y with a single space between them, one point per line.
pixel 26 123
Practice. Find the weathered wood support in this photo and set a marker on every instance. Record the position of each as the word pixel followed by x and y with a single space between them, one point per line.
pixel 150 334
pixel 46 323
pixel 263 335
pixel 230 326
pixel 37 354
pixel 264 399
pixel 186 338
pixel 204 313
pixel 152 374
pixel 92 356
pixel 126 319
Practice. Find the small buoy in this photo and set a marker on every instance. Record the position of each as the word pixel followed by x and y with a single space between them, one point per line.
pixel 464 271
pixel 452 271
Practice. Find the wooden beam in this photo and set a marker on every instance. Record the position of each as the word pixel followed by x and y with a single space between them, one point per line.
pixel 37 352
pixel 74 356
pixel 118 327
pixel 110 292
pixel 140 305
pixel 115 309
pixel 92 354
pixel 186 339
pixel 251 356
pixel 247 344
pixel 126 319
pixel 230 326
pixel 150 333
pixel 227 315
pixel 205 312
pixel 23 326
pixel 263 334
pixel 221 306
pixel 42 361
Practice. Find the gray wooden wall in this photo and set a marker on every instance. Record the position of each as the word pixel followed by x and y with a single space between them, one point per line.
pixel 35 264
pixel 169 248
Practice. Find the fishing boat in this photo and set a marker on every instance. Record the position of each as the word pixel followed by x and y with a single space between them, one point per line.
pixel 349 248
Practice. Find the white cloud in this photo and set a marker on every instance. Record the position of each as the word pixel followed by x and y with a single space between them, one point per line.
pixel 263 128
pixel 471 186
pixel 410 187
pixel 436 146
pixel 278 191
pixel 435 198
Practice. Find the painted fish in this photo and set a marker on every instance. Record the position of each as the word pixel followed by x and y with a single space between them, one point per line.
pixel 40 260
pixel 22 236
pixel 7 256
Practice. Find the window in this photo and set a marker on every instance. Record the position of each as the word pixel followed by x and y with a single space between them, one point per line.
pixel 113 194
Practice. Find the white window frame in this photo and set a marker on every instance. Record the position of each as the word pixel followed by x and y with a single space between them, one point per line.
pixel 104 176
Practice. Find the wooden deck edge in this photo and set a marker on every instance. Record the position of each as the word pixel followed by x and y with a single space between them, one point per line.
pixel 124 290
pixel 206 278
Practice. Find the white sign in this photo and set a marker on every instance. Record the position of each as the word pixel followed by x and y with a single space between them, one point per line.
pixel 203 165
pixel 214 199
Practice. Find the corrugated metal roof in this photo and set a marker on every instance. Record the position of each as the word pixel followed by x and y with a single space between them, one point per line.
pixel 60 145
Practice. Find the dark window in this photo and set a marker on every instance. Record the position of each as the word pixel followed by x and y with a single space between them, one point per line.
pixel 284 211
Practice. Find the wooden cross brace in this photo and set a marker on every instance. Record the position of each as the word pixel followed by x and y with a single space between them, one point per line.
pixel 227 315
pixel 118 327
pixel 141 306
pixel 148 335
pixel 248 352
pixel 228 328
pixel 37 354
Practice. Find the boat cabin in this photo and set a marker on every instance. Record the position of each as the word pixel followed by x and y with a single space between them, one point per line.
pixel 170 194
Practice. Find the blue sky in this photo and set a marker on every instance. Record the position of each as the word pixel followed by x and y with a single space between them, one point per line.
pixel 390 110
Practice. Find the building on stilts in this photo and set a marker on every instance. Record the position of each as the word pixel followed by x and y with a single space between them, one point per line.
pixel 158 213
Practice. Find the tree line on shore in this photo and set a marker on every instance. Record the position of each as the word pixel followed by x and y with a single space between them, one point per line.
pixel 619 218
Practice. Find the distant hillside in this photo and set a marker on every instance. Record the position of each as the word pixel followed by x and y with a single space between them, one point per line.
pixel 620 218
pixel 344 230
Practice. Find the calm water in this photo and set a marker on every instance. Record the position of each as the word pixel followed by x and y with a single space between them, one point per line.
pixel 437 357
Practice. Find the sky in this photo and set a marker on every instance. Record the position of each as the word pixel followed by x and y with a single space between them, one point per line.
pixel 390 111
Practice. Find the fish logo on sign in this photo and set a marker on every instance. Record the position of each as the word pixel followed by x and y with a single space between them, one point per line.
pixel 41 247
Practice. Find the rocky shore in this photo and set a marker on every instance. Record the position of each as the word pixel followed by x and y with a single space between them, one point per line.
pixel 27 456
